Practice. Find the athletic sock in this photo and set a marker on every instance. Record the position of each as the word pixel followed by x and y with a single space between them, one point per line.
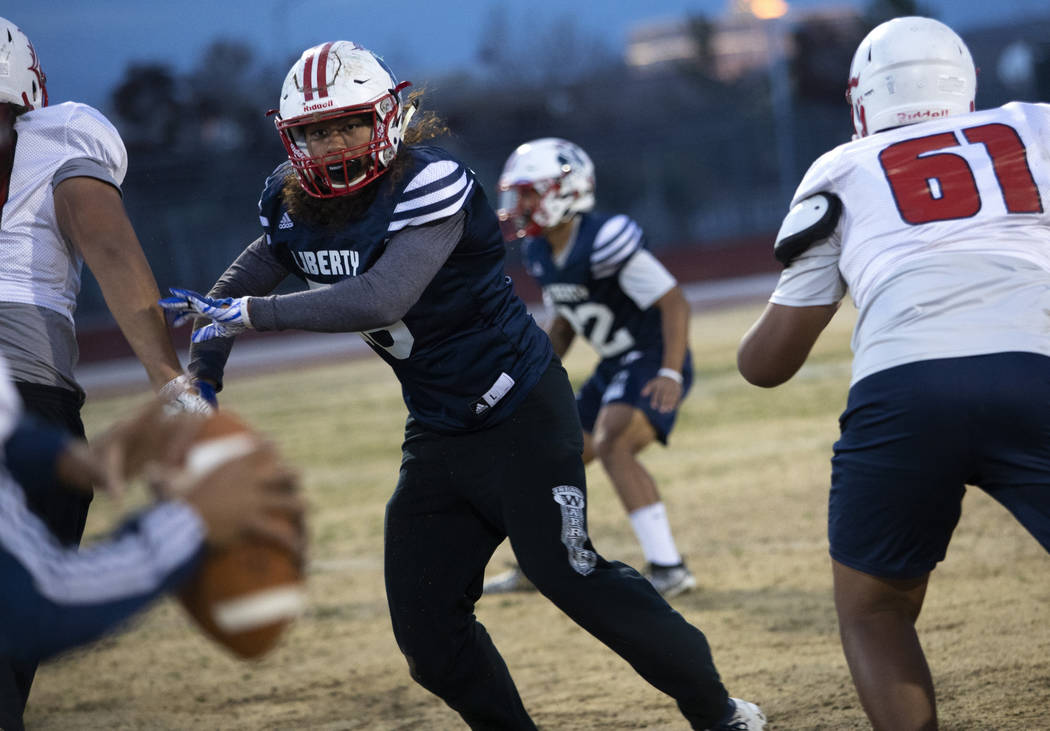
pixel 654 534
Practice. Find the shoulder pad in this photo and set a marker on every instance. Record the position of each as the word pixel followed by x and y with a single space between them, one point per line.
pixel 275 180
pixel 810 221
pixel 84 132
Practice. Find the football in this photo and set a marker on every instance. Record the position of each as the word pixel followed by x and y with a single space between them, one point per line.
pixel 245 595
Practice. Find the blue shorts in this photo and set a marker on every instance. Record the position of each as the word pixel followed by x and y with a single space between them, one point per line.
pixel 915 435
pixel 621 380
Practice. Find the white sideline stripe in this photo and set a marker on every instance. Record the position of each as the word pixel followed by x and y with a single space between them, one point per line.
pixel 259 609
pixel 206 456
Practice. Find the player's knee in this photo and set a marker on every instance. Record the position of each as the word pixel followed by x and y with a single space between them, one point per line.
pixel 427 672
pixel 623 439
pixel 880 599
pixel 609 445
pixel 431 663
pixel 559 581
pixel 446 662
pixel 588 448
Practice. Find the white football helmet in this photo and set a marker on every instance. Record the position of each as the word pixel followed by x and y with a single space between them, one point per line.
pixel 544 182
pixel 334 80
pixel 22 82
pixel 909 70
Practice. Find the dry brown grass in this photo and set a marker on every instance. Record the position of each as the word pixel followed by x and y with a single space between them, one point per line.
pixel 746 482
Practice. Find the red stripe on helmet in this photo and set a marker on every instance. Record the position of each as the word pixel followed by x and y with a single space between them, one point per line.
pixel 322 70
pixel 41 78
pixel 308 89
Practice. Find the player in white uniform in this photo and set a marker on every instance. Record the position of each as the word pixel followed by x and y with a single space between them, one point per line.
pixel 935 220
pixel 60 172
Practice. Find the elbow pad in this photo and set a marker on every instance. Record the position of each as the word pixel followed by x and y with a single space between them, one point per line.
pixel 809 222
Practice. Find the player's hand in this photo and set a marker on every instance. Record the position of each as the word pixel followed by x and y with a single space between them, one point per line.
pixel 182 394
pixel 664 393
pixel 207 391
pixel 153 436
pixel 246 496
pixel 229 315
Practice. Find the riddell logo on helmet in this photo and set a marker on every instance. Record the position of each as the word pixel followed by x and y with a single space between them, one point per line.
pixel 905 117
pixel 315 107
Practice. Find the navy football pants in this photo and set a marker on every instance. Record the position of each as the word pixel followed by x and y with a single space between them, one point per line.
pixel 457 498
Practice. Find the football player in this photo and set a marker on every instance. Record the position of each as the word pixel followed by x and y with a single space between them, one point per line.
pixel 396 240
pixel 601 282
pixel 935 219
pixel 60 172
pixel 56 597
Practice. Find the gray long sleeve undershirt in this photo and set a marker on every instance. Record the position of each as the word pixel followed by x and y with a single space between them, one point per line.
pixel 380 296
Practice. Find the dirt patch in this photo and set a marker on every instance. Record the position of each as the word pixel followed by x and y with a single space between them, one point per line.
pixel 745 480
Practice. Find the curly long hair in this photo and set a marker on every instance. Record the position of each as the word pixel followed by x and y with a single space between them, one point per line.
pixel 334 212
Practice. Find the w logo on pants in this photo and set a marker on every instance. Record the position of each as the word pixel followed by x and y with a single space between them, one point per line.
pixel 574 527
pixel 569 496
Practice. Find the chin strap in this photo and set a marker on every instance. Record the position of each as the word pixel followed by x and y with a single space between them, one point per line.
pixel 410 111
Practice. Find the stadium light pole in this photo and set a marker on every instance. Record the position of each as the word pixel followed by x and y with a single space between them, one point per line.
pixel 770 13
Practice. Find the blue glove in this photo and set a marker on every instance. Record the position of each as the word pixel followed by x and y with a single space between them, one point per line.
pixel 229 316
pixel 207 392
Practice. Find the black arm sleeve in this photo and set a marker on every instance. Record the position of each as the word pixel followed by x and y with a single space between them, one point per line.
pixel 256 271
pixel 380 296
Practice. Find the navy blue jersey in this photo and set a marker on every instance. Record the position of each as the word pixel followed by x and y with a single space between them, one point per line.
pixel 584 286
pixel 467 351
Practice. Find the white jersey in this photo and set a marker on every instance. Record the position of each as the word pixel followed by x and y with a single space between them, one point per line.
pixel 943 242
pixel 38 267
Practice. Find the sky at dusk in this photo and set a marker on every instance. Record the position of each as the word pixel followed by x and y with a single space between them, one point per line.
pixel 85 45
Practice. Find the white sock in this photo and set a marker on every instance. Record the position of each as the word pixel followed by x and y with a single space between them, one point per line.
pixel 654 534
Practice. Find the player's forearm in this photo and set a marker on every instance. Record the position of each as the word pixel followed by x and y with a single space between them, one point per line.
pixel 91 215
pixel 256 271
pixel 146 331
pixel 131 295
pixel 778 343
pixel 674 323
pixel 379 297
pixel 350 305
pixel 55 612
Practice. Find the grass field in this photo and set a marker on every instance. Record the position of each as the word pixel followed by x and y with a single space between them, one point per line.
pixel 746 484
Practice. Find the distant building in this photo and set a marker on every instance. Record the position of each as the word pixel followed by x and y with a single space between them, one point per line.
pixel 657 44
pixel 744 39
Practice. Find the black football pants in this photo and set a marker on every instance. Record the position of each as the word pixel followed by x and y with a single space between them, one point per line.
pixel 456 500
pixel 65 513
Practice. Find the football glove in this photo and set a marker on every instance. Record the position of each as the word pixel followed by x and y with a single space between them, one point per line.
pixel 207 392
pixel 181 394
pixel 229 316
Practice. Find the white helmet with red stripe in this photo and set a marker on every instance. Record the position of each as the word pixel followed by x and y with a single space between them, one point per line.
pixel 909 70
pixel 334 80
pixel 21 80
